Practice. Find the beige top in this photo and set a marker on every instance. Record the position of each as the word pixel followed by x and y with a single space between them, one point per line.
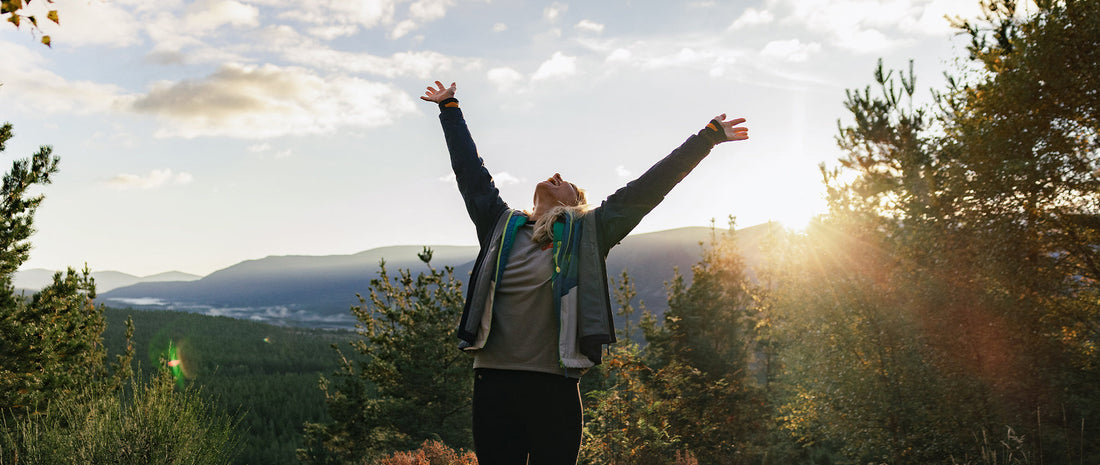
pixel 524 331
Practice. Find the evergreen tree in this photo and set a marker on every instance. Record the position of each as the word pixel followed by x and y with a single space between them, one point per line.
pixel 951 290
pixel 49 343
pixel 701 356
pixel 412 383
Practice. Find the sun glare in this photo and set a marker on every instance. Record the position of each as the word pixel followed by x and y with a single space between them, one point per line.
pixel 796 211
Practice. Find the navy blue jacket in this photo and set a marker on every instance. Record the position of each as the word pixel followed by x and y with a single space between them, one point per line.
pixel 585 255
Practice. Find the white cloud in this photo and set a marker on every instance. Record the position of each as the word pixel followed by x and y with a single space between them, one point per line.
pixel 685 57
pixel 554 11
pixel 429 10
pixel 258 148
pixel 558 66
pixel 591 26
pixel 752 17
pixel 855 24
pixel 500 27
pixel 792 50
pixel 267 101
pixel 506 178
pixel 87 23
pixel 150 180
pixel 208 15
pixel 620 54
pixel 506 79
pixel 866 41
pixel 28 84
pixel 622 172
pixel 333 31
pixel 421 65
pixel 367 14
pixel 402 28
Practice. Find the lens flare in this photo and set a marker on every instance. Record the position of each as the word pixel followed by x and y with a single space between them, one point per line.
pixel 175 363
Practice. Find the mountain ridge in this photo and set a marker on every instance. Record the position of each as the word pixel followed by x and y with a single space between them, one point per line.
pixel 317 291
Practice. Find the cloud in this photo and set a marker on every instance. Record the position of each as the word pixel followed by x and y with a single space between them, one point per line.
pixel 365 14
pixel 558 66
pixel 506 79
pixel 619 54
pixel 622 172
pixel 591 26
pixel 421 65
pixel 208 15
pixel 500 178
pixel 268 101
pixel 259 148
pixel 150 180
pixel 855 24
pixel 500 27
pixel 429 10
pixel 506 178
pixel 402 28
pixel 792 50
pixel 752 17
pixel 85 23
pixel 26 84
pixel 554 11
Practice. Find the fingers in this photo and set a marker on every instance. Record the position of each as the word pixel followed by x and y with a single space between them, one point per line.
pixel 735 122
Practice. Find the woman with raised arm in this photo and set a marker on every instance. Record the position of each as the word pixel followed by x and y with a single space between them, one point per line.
pixel 538 310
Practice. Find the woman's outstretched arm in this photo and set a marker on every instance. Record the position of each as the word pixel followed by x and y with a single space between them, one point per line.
pixel 480 194
pixel 624 209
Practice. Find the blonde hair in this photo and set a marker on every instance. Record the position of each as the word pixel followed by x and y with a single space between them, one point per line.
pixel 544 226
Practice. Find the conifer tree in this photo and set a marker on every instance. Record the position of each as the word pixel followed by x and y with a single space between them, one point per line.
pixel 701 357
pixel 50 342
pixel 410 384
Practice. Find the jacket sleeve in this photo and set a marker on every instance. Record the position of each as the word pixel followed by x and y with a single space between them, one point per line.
pixel 624 209
pixel 480 194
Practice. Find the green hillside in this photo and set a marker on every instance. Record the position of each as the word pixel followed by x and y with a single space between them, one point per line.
pixel 265 374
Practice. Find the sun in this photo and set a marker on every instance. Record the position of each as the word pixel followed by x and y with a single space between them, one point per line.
pixel 795 210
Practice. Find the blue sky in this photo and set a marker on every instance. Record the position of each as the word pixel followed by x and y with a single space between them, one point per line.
pixel 196 134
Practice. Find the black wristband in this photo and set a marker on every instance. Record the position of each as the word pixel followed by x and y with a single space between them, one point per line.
pixel 714 132
pixel 448 103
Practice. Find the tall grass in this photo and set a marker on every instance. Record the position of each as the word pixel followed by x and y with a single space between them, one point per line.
pixel 147 423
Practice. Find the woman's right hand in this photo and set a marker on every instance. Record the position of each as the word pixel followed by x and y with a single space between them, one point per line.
pixel 440 94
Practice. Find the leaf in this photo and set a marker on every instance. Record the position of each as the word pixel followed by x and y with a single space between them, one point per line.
pixel 52 15
pixel 46 40
pixel 14 19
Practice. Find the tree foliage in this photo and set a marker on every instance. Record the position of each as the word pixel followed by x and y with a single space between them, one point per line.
pixel 60 401
pixel 412 383
pixel 13 11
pixel 49 343
pixel 951 290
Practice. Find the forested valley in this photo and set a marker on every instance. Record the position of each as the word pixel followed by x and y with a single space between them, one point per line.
pixel 945 310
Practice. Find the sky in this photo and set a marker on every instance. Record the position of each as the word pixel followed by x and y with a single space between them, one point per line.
pixel 197 134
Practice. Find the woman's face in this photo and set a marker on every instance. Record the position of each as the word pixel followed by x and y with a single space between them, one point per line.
pixel 555 191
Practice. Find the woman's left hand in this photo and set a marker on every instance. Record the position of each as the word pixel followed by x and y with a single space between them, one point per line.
pixel 731 128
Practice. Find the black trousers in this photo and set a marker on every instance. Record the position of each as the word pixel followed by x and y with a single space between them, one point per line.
pixel 526 417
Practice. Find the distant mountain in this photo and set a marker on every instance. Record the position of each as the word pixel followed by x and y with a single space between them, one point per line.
pixel 317 291
pixel 36 278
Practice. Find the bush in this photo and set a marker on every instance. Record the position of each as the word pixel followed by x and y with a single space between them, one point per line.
pixel 430 453
pixel 149 423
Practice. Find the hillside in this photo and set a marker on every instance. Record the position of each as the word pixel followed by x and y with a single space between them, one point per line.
pixel 35 279
pixel 317 291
